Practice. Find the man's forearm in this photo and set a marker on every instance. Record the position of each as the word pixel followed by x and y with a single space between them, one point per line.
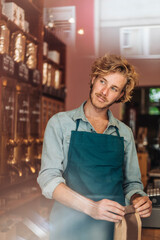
pixel 102 210
pixel 72 199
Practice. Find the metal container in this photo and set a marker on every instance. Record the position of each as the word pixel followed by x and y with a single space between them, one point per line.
pixel 18 42
pixel 31 55
pixel 4 38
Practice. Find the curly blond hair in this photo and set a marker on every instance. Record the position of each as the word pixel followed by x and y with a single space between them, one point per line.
pixel 112 64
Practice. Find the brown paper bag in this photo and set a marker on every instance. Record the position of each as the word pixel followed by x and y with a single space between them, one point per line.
pixel 130 226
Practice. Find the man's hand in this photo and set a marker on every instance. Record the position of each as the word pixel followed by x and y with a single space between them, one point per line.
pixel 107 210
pixel 143 205
pixel 102 210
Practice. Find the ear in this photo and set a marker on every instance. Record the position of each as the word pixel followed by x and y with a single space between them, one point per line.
pixel 93 80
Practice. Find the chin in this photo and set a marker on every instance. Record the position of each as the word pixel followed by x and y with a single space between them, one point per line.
pixel 100 106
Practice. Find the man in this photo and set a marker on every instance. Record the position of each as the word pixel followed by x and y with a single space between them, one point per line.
pixel 89 161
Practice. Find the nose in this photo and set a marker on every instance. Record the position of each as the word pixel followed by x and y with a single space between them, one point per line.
pixel 105 90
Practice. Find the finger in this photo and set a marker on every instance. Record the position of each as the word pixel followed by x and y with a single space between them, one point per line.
pixel 111 206
pixel 115 205
pixel 145 215
pixel 141 202
pixel 145 211
pixel 116 211
pixel 112 217
pixel 146 205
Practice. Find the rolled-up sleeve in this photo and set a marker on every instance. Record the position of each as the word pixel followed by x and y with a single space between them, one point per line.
pixel 51 171
pixel 132 177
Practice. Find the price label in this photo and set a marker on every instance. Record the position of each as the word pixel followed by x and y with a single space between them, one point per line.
pixel 23 72
pixel 35 77
pixel 7 64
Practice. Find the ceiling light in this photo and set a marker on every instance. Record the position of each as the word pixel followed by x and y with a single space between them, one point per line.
pixel 80 31
pixel 71 20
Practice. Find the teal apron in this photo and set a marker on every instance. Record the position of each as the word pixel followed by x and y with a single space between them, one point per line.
pixel 95 170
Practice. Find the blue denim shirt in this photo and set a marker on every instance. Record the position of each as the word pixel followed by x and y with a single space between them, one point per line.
pixel 56 145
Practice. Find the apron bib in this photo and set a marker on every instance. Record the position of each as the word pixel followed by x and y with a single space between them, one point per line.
pixel 95 170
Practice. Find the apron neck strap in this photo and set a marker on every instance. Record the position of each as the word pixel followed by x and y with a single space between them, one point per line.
pixel 117 132
pixel 77 124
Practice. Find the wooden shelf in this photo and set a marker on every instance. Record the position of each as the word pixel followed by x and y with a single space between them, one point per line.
pixel 53 40
pixel 9 201
pixel 28 5
pixel 57 95
pixel 57 66
pixel 13 28
pixel 54 43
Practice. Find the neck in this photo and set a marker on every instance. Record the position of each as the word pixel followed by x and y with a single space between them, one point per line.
pixel 93 112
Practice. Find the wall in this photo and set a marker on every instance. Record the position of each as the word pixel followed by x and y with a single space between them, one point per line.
pixel 148 69
pixel 102 21
pixel 114 14
pixel 79 59
pixel 111 15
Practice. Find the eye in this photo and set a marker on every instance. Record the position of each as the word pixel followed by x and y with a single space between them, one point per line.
pixel 114 89
pixel 102 81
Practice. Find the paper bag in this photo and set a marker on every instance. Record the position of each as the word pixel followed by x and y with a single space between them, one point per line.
pixel 130 226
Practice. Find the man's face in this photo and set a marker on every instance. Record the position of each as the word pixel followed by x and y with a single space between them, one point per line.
pixel 106 90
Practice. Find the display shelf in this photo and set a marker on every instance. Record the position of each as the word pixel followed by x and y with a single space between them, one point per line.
pixel 13 28
pixel 29 5
pixel 33 14
pixel 56 94
pixel 53 40
pixel 57 66
pixel 54 43
pixel 50 106
pixel 21 103
pixel 15 108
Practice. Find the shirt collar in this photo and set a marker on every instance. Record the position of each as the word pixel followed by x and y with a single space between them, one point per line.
pixel 79 114
pixel 112 120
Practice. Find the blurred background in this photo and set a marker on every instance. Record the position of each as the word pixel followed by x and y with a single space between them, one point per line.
pixel 46 52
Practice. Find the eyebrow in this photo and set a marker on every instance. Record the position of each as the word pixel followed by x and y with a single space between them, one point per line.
pixel 112 85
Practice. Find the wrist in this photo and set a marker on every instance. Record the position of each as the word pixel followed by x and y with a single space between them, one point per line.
pixel 134 196
pixel 89 207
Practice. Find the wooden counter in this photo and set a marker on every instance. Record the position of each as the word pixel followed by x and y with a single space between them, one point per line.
pixel 150 234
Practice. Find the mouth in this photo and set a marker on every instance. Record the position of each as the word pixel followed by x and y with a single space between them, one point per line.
pixel 101 98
